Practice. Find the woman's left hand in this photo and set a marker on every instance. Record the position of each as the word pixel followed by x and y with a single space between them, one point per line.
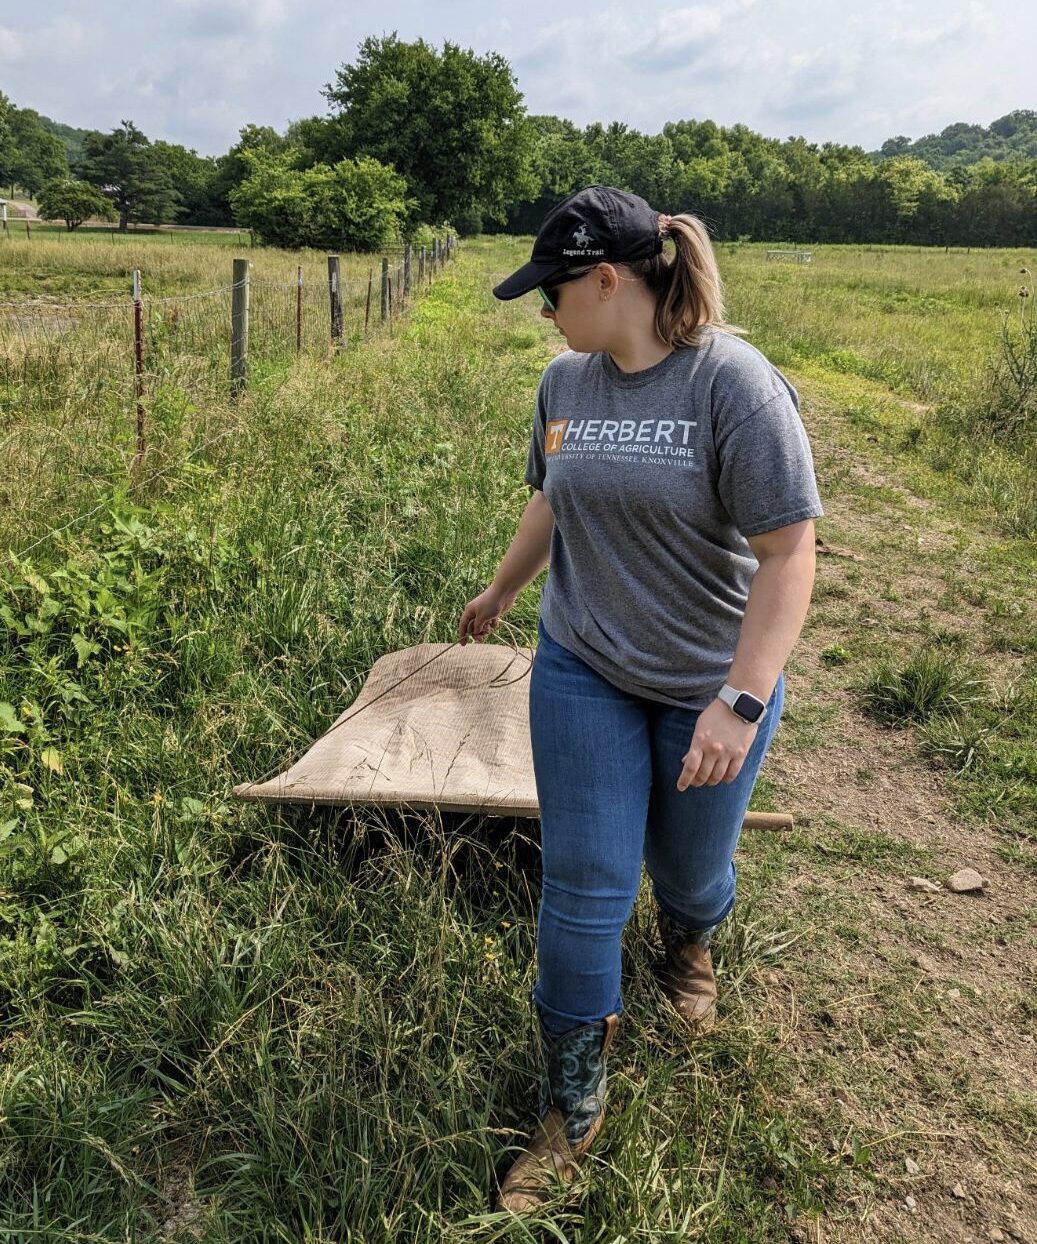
pixel 718 747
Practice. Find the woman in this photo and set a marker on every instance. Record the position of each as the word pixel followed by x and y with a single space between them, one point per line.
pixel 673 496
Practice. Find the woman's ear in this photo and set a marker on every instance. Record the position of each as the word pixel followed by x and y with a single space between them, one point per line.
pixel 608 281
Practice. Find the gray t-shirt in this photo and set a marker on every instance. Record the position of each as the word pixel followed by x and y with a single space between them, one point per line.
pixel 655 479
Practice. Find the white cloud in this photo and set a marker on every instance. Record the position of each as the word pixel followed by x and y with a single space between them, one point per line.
pixel 194 71
pixel 223 19
pixel 818 82
pixel 954 28
pixel 59 41
pixel 12 46
pixel 679 38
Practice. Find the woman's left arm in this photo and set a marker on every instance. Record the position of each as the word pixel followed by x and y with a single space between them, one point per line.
pixel 774 614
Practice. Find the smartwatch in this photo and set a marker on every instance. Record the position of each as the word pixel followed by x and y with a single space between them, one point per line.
pixel 743 704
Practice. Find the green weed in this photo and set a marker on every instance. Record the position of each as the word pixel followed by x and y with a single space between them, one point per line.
pixel 836 654
pixel 928 683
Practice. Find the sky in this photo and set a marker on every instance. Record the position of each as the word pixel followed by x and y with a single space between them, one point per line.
pixel 196 71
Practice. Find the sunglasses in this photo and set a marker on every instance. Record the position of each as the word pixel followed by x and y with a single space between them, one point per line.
pixel 549 293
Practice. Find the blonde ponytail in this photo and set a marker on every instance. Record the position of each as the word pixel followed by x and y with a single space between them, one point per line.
pixel 689 294
pixel 694 296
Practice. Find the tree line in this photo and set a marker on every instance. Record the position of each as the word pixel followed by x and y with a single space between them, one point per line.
pixel 417 136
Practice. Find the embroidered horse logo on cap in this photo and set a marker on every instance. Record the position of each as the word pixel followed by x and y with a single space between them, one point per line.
pixel 581 237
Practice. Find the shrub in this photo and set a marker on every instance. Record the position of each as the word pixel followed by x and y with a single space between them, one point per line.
pixel 355 205
pixel 1012 407
pixel 929 683
pixel 73 202
pixel 1001 411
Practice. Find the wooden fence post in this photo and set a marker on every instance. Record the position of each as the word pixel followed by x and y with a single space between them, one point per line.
pixel 335 295
pixel 406 270
pixel 385 288
pixel 421 268
pixel 239 327
pixel 367 309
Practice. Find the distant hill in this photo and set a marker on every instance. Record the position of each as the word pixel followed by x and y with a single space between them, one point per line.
pixel 69 135
pixel 1011 137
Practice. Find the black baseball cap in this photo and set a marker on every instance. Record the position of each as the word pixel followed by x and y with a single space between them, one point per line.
pixel 597 225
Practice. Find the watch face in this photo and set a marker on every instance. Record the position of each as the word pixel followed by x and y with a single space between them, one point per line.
pixel 749 707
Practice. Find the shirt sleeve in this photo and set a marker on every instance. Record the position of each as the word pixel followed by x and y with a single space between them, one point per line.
pixel 536 463
pixel 766 470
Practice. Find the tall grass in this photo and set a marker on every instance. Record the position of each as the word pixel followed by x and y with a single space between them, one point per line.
pixel 226 1022
pixel 1013 377
pixel 68 389
pixel 241 1023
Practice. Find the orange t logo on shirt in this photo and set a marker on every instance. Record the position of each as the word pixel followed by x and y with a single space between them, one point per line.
pixel 555 435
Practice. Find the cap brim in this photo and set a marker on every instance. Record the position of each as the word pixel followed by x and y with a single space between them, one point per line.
pixel 527 278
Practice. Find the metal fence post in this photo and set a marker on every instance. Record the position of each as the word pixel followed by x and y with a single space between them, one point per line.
pixel 138 361
pixel 406 270
pixel 367 308
pixel 239 327
pixel 385 288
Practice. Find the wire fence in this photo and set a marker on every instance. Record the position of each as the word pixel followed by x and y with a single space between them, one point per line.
pixel 106 387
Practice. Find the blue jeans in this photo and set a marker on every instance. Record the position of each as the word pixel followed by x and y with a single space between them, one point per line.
pixel 606 765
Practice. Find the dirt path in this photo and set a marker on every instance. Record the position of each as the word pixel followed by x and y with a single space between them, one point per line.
pixel 910 1014
pixel 21 209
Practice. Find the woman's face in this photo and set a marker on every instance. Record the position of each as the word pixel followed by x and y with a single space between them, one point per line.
pixel 577 304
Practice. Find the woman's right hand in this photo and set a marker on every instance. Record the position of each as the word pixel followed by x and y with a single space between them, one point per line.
pixel 482 614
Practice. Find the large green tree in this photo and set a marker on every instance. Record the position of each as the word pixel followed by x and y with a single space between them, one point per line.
pixel 7 150
pixel 197 180
pixel 39 156
pixel 236 166
pixel 124 166
pixel 451 122
pixel 560 160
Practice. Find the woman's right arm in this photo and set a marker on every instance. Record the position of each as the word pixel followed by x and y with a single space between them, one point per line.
pixel 524 560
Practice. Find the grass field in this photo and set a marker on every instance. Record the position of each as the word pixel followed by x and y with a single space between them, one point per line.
pixel 57 264
pixel 68 409
pixel 225 1023
pixel 171 235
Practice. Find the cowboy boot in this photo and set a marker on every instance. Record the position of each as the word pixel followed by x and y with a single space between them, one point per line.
pixel 572 1104
pixel 686 974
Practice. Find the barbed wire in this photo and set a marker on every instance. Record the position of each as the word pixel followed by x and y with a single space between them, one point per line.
pixel 79 396
pixel 79 518
pixel 85 304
